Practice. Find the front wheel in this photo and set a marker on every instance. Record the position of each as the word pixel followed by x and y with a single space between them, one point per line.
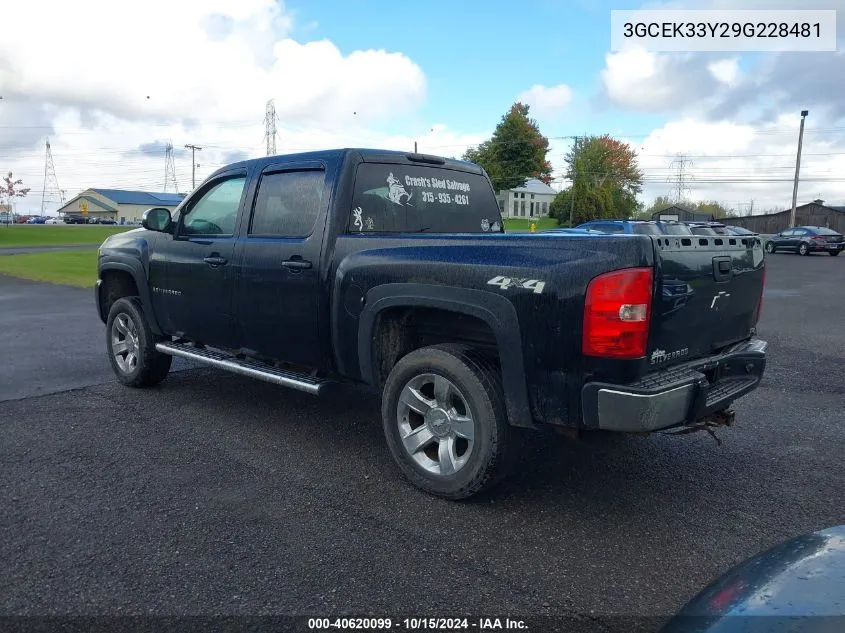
pixel 834 253
pixel 131 346
pixel 445 423
pixel 770 248
pixel 803 249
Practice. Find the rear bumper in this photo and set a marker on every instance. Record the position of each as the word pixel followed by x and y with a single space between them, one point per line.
pixel 827 247
pixel 678 395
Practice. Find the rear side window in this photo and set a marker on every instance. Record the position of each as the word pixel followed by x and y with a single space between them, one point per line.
pixel 410 198
pixel 287 203
pixel 825 231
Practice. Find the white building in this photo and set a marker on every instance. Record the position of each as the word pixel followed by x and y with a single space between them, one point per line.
pixel 120 205
pixel 532 200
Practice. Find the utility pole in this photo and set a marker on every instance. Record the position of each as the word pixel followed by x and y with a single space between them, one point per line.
pixel 804 114
pixel 572 186
pixel 270 132
pixel 415 147
pixel 193 148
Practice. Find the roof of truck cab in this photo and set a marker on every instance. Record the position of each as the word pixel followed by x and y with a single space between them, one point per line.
pixel 366 154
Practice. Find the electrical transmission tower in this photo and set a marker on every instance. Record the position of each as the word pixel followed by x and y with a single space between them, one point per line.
pixel 270 132
pixel 51 183
pixel 169 168
pixel 682 177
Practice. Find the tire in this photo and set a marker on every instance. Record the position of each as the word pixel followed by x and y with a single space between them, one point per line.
pixel 140 365
pixel 833 253
pixel 465 444
pixel 770 248
pixel 803 249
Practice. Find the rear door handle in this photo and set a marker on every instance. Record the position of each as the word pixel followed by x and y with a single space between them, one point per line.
pixel 296 263
pixel 215 260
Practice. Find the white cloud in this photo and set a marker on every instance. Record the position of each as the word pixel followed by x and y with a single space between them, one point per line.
pixel 735 163
pixel 196 59
pixel 641 80
pixel 725 70
pixel 103 79
pixel 546 101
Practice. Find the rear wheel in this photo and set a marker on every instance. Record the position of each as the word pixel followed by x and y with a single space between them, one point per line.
pixel 770 247
pixel 803 249
pixel 444 419
pixel 131 346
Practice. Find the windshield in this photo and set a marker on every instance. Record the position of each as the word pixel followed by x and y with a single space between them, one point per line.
pixel 676 229
pixel 647 229
pixel 409 198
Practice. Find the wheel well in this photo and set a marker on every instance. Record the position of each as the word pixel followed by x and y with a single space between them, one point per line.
pixel 399 331
pixel 116 285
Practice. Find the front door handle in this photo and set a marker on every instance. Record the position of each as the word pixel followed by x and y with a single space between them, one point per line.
pixel 215 260
pixel 295 263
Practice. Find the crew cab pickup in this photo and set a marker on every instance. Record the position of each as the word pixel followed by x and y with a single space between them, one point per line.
pixel 394 270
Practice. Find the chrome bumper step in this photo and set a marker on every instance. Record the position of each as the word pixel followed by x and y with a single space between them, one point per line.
pixel 246 367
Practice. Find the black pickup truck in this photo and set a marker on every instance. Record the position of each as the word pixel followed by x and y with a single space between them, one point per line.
pixel 394 270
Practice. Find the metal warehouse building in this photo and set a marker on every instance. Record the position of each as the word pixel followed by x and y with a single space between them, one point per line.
pixel 118 204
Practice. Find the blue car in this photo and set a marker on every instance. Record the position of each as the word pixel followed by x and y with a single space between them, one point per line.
pixel 635 227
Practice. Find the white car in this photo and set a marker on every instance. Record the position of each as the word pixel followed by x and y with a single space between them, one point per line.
pixel 55 221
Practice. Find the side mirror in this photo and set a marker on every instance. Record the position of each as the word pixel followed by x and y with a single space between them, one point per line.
pixel 157 219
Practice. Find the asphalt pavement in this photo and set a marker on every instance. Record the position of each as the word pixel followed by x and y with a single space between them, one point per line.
pixel 215 494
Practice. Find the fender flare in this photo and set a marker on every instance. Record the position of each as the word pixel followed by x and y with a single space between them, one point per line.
pixel 136 270
pixel 495 310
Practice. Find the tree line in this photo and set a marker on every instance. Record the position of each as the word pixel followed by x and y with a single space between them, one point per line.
pixel 604 175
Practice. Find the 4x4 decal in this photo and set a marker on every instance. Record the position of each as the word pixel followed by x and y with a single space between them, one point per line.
pixel 515 282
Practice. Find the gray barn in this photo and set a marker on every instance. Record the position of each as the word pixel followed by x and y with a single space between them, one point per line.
pixel 815 213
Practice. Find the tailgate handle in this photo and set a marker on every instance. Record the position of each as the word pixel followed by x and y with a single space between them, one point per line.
pixel 722 268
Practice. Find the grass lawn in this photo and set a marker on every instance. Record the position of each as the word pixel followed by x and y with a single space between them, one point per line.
pixel 518 224
pixel 53 235
pixel 71 268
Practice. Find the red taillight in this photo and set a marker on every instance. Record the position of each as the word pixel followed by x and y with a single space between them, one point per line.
pixel 617 312
pixel 819 238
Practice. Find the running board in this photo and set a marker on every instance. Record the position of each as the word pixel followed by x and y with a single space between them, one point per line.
pixel 246 367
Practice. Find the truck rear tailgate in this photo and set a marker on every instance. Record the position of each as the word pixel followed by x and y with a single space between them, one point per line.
pixel 708 291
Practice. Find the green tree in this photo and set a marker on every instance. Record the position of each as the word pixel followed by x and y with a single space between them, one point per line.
pixel 712 207
pixel 606 180
pixel 516 151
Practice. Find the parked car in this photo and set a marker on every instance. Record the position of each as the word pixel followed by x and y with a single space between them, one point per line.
pixel 622 227
pixel 575 231
pixel 796 586
pixel 807 239
pixel 384 268
pixel 740 231
pixel 54 221
pixel 708 228
pixel 75 219
pixel 38 219
pixel 107 221
pixel 22 219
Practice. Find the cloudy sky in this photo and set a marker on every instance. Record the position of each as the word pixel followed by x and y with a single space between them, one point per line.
pixel 110 84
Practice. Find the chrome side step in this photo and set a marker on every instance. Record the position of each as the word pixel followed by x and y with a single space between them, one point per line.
pixel 246 367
